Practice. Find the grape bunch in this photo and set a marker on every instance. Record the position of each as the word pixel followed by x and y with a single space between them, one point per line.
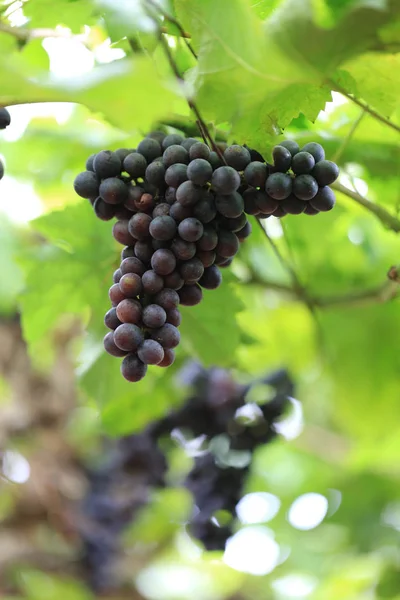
pixel 5 120
pixel 180 215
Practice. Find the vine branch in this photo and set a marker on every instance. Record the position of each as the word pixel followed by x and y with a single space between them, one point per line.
pixel 22 34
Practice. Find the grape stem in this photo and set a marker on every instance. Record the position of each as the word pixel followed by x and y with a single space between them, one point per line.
pixel 183 34
pixel 346 140
pixel 381 213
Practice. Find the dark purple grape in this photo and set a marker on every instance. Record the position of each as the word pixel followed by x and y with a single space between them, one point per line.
pixel 188 194
pixel 150 352
pixel 115 294
pixel 190 295
pixel 183 250
pixel 159 136
pixel 157 244
pixel 205 210
pixel 212 278
pixel 113 191
pixel 199 150
pixel 199 171
pixel 249 199
pixel 292 205
pixel 152 282
pixel 191 270
pixel 167 299
pixel 279 212
pixel 234 224
pixel 207 257
pixel 282 158
pixel 121 233
pixel 132 368
pixel 117 275
pixel 208 240
pixel 310 210
pixel 122 153
pixel 290 145
pixel 237 157
pixel 225 180
pixel 89 162
pixel 265 203
pixel 111 320
pixel 324 200
pixel 244 233
pixel 255 155
pixel 129 311
pixel 132 264
pixel 128 251
pixel 255 174
pixel 110 347
pixel 179 212
pixel 215 160
pixel 171 140
pixel 121 212
pixel 135 193
pixel 188 142
pixel 225 263
pixel 161 210
pixel 155 174
pixel 135 164
pixel 325 172
pixel 175 154
pixel 315 149
pixel 169 357
pixel 163 228
pixel 86 185
pixel 228 244
pixel 104 211
pixel 154 316
pixel 144 251
pixel 174 316
pixel 163 261
pixel 167 335
pixel 170 195
pixel 139 226
pixel 190 229
pixel 303 163
pixel 230 205
pixel 130 285
pixel 173 281
pixel 150 149
pixel 279 186
pixel 305 187
pixel 107 164
pixel 128 337
pixel 175 175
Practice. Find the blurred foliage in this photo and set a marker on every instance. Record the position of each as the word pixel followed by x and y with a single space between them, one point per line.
pixel 264 68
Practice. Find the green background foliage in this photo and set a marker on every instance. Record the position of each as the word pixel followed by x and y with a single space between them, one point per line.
pixel 266 70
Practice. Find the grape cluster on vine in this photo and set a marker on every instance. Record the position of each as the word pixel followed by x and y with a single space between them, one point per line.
pixel 5 120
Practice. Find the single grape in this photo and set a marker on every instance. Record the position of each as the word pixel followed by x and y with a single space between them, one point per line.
pixel 290 145
pixel 139 226
pixel 310 210
pixel 188 142
pixel 163 262
pixel 249 199
pixel 122 153
pixel 215 160
pixel 305 187
pixel 167 335
pixel 103 211
pixel 324 200
pixel 176 174
pixel 135 193
pixel 190 229
pixel 179 212
pixel 265 203
pixel 237 157
pixel 128 251
pixel 223 262
pixel 158 244
pixel 144 251
pixel 107 164
pixel 129 311
pixel 86 185
pixel 121 233
pixel 183 250
pixel 163 228
pixel 175 154
pixel 5 118
pixel 199 150
pixel 169 357
pixel 173 281
pixel 161 210
pixel 191 270
pixel 292 205
pixel 131 285
pixel 212 278
pixel 255 174
pixel 255 155
pixel 279 186
pixel 205 210
pixel 155 174
pixel 150 149
pixel 110 347
pixel 303 163
pixel 225 180
pixel 150 352
pixel 208 240
pixel 228 244
pixel 282 158
pixel 132 368
pixel 174 316
pixel 325 172
pixel 152 282
pixel 89 162
pixel 279 212
pixel 190 295
pixel 207 257
pixel 199 171
pixel 154 316
pixel 229 205
pixel 113 191
pixel 171 140
pixel 244 233
pixel 159 136
pixel 117 275
pixel 167 299
pixel 315 149
pixel 170 194
pixel 115 294
pixel 121 212
pixel 131 264
pixel 128 337
pixel 188 194
pixel 111 320
pixel 135 164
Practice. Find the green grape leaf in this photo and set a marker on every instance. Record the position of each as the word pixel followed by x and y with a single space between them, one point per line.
pixel 74 14
pixel 42 586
